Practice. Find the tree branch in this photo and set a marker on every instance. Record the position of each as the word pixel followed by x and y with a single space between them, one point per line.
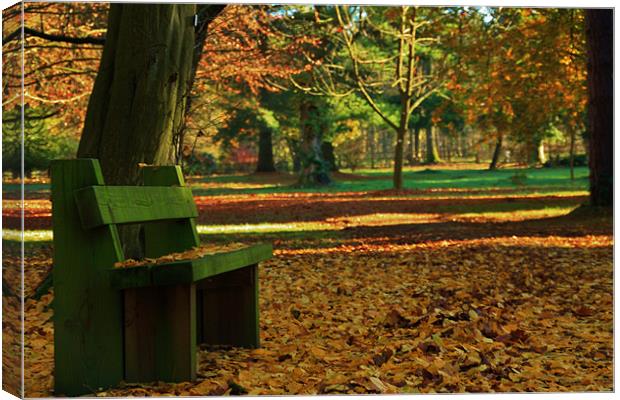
pixel 54 38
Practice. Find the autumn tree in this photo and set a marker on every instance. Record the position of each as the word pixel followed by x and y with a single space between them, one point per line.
pixel 599 33
pixel 400 31
pixel 248 57
pixel 61 48
pixel 522 72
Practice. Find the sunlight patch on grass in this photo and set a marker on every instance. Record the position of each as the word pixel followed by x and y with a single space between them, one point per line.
pixel 385 219
pixel 581 242
pixel 29 236
pixel 263 228
pixel 517 215
pixel 233 185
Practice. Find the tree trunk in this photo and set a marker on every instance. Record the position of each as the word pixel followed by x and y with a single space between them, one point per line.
pixel 265 151
pixel 371 146
pixel 571 155
pixel 399 148
pixel 409 157
pixel 417 144
pixel 496 153
pixel 448 144
pixel 432 155
pixel 138 100
pixel 293 147
pixel 328 155
pixel 599 37
pixel 313 169
pixel 542 158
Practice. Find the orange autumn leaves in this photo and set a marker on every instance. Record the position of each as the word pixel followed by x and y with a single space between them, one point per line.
pixel 438 307
pixel 190 254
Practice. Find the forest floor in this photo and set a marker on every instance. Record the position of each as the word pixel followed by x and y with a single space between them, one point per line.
pixel 464 282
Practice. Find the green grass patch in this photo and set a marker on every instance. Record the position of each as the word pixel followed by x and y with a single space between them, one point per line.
pixel 540 180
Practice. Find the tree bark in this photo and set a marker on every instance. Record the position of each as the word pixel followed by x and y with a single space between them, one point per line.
pixel 571 156
pixel 371 146
pixel 400 144
pixel 330 157
pixel 265 151
pixel 432 155
pixel 540 150
pixel 416 148
pixel 409 156
pixel 496 153
pixel 599 37
pixel 138 100
pixel 313 169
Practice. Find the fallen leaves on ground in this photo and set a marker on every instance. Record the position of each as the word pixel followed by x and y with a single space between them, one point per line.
pixel 417 307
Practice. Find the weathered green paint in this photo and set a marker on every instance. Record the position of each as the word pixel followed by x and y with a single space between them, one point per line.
pixel 104 205
pixel 87 311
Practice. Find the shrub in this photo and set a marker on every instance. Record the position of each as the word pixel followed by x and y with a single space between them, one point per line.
pixel 199 164
pixel 40 146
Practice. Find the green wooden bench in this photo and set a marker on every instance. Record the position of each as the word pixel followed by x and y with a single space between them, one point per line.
pixel 143 323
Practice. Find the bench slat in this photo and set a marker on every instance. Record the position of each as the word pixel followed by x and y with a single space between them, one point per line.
pixel 104 205
pixel 188 271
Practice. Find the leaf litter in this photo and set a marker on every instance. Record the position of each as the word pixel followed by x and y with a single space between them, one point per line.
pixel 379 313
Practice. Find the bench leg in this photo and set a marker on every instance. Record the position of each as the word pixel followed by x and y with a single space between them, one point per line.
pixel 229 308
pixel 160 333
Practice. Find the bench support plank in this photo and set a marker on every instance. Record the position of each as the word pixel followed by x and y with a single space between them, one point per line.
pixel 230 308
pixel 160 333
pixel 88 319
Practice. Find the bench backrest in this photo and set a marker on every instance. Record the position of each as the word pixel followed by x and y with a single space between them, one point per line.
pixel 88 313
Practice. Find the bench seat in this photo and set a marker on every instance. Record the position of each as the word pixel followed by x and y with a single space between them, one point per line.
pixel 189 271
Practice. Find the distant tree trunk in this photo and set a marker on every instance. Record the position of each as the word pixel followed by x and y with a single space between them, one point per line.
pixel 265 151
pixel 313 169
pixel 293 147
pixel 328 155
pixel 447 144
pixel 571 156
pixel 409 156
pixel 400 144
pixel 600 39
pixel 417 143
pixel 432 155
pixel 496 153
pixel 371 146
pixel 542 158
pixel 464 148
